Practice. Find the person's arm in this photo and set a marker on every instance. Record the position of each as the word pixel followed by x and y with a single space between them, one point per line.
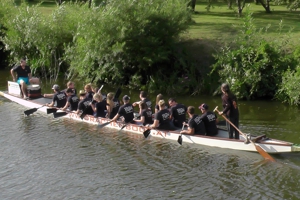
pixel 50 104
pixel 13 74
pixel 93 107
pixel 189 131
pixel 142 120
pixel 115 117
pixel 66 106
pixel 225 101
pixel 108 108
pixel 29 76
pixel 155 124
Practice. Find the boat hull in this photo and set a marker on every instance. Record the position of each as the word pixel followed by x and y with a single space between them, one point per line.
pixel 269 145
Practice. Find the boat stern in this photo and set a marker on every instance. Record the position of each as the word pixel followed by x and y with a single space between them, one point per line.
pixel 295 147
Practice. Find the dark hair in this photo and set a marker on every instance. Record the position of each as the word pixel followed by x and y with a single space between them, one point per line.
pixel 191 109
pixel 226 89
pixel 69 90
pixel 143 94
pixel 172 99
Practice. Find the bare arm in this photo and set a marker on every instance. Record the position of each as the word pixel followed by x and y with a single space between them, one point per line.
pixel 29 75
pixel 13 74
pixel 142 120
pixel 115 117
pixel 189 131
pixel 50 104
pixel 66 106
pixel 155 124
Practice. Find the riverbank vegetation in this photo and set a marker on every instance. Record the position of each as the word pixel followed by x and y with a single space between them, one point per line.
pixel 160 45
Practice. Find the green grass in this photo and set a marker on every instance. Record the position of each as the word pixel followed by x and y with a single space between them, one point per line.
pixel 218 23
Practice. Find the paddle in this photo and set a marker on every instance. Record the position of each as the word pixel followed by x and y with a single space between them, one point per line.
pixel 32 110
pixel 146 133
pixel 83 114
pixel 129 122
pixel 179 140
pixel 59 114
pixel 104 124
pixel 118 93
pixel 51 110
pixel 260 150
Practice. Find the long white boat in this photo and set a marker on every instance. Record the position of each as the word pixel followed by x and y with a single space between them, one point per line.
pixel 269 145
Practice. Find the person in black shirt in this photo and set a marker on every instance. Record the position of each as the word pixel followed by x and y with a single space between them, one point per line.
pixel 143 97
pixel 162 118
pixel 158 98
pixel 59 98
pixel 146 116
pixel 125 111
pixel 84 104
pixel 210 120
pixel 178 112
pixel 89 91
pixel 23 76
pixel 72 100
pixel 195 124
pixel 100 107
pixel 231 110
pixel 114 104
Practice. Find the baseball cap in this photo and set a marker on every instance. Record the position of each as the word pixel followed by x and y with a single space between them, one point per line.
pixel 126 98
pixel 203 106
pixel 82 92
pixel 55 87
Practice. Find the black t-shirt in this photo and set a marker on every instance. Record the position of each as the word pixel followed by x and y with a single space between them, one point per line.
pixel 179 114
pixel 197 124
pixel 101 109
pixel 209 118
pixel 163 116
pixel 89 95
pixel 127 112
pixel 115 108
pixel 22 72
pixel 60 98
pixel 84 105
pixel 147 113
pixel 73 100
pixel 73 89
pixel 148 103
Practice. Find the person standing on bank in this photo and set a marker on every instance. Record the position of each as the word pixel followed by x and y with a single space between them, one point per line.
pixel 210 120
pixel 125 111
pixel 230 109
pixel 195 124
pixel 24 77
pixel 60 98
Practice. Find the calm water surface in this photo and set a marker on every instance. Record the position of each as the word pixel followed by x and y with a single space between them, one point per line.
pixel 46 158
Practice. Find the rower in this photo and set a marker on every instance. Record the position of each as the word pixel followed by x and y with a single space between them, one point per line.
pixel 195 123
pixel 210 120
pixel 125 111
pixel 143 97
pixel 24 76
pixel 59 98
pixel 178 112
pixel 70 84
pixel 114 104
pixel 146 114
pixel 72 100
pixel 84 104
pixel 100 108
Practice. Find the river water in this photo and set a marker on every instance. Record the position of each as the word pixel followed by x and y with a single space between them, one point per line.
pixel 46 158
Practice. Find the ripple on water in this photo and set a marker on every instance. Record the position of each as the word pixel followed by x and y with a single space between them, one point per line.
pixel 46 158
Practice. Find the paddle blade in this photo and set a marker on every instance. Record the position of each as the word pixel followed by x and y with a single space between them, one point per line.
pixel 123 126
pixel 104 124
pixel 51 110
pixel 179 140
pixel 30 111
pixel 263 153
pixel 59 114
pixel 147 133
pixel 118 93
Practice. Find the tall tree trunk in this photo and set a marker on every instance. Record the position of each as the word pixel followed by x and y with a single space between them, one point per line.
pixel 192 4
pixel 266 5
pixel 229 4
pixel 59 2
pixel 90 3
pixel 240 4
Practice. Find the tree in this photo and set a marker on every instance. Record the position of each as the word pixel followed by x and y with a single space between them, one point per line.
pixel 266 5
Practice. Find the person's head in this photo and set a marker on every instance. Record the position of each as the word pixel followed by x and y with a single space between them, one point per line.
pixel 95 89
pixel 159 97
pixel 70 84
pixel 97 97
pixel 23 62
pixel 225 88
pixel 143 94
pixel 172 102
pixel 143 105
pixel 69 91
pixel 203 107
pixel 110 96
pixel 55 88
pixel 88 88
pixel 82 94
pixel 161 104
pixel 191 110
pixel 126 99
